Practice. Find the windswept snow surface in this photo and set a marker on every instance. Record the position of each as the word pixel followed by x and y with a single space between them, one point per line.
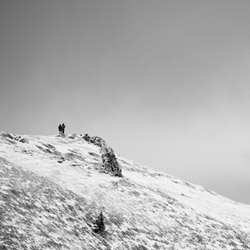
pixel 52 190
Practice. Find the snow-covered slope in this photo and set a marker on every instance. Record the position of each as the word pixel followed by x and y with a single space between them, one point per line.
pixel 51 191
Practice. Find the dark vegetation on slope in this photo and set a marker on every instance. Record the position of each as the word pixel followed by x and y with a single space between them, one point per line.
pixel 99 226
pixel 109 160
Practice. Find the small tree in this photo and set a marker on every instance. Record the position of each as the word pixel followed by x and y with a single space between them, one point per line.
pixel 99 225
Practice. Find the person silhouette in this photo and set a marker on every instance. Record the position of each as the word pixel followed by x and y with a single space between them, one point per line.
pixel 60 128
pixel 63 128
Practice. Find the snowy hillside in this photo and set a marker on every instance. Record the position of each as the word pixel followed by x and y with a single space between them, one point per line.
pixel 52 191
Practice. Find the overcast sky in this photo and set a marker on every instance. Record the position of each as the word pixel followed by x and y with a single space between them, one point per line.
pixel 165 83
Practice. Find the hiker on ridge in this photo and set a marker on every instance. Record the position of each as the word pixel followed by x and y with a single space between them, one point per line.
pixel 63 128
pixel 60 128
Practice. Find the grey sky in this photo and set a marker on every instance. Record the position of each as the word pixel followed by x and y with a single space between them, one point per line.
pixel 166 83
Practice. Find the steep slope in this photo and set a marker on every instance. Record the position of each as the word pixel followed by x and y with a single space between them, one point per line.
pixel 52 190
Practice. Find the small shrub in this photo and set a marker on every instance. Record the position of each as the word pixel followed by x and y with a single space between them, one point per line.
pixel 99 226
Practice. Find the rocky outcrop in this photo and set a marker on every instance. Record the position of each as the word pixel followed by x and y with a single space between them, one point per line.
pixel 109 162
pixel 96 140
pixel 13 138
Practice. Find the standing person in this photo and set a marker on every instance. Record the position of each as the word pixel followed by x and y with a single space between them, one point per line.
pixel 63 128
pixel 60 128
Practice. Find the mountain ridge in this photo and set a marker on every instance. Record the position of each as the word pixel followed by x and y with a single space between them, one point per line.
pixel 52 189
